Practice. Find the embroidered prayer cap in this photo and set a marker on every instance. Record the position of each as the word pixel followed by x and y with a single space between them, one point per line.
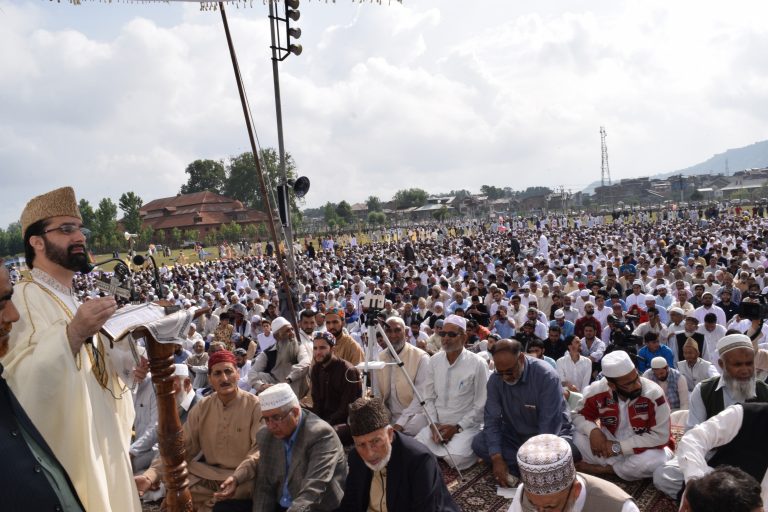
pixel 456 320
pixel 59 202
pixel 325 335
pixel 617 364
pixel 335 311
pixel 278 323
pixel 559 313
pixel 658 362
pixel 732 342
pixel 367 415
pixel 677 310
pixel 546 465
pixel 690 342
pixel 277 396
pixel 221 356
pixel 181 370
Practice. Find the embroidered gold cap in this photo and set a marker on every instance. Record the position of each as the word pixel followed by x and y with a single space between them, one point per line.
pixel 59 202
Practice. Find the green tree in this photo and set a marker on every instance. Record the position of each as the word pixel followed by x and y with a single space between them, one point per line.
pixel 14 240
pixel 232 232
pixel 407 198
pixel 204 175
pixel 145 237
pixel 492 192
pixel 329 213
pixel 696 196
pixel 243 185
pixel 344 211
pixel 191 235
pixel 441 214
pixel 105 228
pixel 86 212
pixel 250 232
pixel 212 238
pixel 374 204
pixel 175 237
pixel 130 204
pixel 376 218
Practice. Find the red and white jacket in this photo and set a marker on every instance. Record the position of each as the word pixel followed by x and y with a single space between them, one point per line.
pixel 648 416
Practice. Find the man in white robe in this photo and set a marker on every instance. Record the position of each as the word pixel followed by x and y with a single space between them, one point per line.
pixel 82 407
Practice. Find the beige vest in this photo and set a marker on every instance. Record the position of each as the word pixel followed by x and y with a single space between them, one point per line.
pixel 601 495
pixel 411 356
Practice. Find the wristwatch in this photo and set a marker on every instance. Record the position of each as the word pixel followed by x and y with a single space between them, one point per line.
pixel 616 448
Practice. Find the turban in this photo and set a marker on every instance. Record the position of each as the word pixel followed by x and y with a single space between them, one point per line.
pixel 277 396
pixel 617 364
pixel 546 465
pixel 59 202
pixel 221 356
pixel 367 415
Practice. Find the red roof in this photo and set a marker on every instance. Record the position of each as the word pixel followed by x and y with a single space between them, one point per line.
pixel 197 210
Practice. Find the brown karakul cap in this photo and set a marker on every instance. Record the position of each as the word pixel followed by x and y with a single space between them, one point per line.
pixel 367 415
pixel 59 202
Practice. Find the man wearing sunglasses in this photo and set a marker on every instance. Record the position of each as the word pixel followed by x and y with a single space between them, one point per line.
pixel 455 397
pixel 82 406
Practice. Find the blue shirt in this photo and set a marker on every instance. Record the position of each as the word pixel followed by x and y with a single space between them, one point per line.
pixel 534 405
pixel 286 499
pixel 503 329
pixel 646 355
pixel 566 329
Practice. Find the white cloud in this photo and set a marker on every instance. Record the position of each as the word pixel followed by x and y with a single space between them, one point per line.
pixel 438 94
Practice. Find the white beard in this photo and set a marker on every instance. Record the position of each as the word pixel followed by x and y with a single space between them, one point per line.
pixel 383 462
pixel 741 390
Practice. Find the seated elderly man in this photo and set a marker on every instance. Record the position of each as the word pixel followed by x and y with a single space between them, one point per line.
pixel 634 433
pixel 525 398
pixel 393 387
pixel 306 462
pixel 334 384
pixel 198 365
pixel 455 394
pixel 390 471
pixel 285 361
pixel 229 414
pixel 550 481
pixel 670 381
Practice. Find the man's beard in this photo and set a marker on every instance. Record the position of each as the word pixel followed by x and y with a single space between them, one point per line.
pixel 287 352
pixel 383 462
pixel 741 390
pixel 180 396
pixel 76 262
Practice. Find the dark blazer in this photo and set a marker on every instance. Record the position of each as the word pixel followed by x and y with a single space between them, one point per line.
pixel 23 484
pixel 414 481
pixel 317 472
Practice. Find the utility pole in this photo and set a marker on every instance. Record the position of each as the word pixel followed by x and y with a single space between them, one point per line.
pixel 682 190
pixel 279 54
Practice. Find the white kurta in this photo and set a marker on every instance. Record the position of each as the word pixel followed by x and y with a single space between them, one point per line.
pixel 85 426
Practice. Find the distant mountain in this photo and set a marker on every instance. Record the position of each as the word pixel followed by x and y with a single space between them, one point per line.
pixel 754 155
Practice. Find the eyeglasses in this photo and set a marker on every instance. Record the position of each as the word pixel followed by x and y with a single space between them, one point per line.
pixel 449 334
pixel 505 373
pixel 276 418
pixel 70 229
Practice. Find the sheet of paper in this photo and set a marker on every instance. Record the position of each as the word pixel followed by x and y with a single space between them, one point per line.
pixel 506 492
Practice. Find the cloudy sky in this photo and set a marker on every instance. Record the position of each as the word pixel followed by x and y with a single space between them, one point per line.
pixel 437 94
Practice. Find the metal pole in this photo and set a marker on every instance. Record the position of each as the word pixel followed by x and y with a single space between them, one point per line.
pixel 280 145
pixel 257 163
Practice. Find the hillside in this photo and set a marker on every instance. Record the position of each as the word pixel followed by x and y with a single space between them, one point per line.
pixel 747 157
